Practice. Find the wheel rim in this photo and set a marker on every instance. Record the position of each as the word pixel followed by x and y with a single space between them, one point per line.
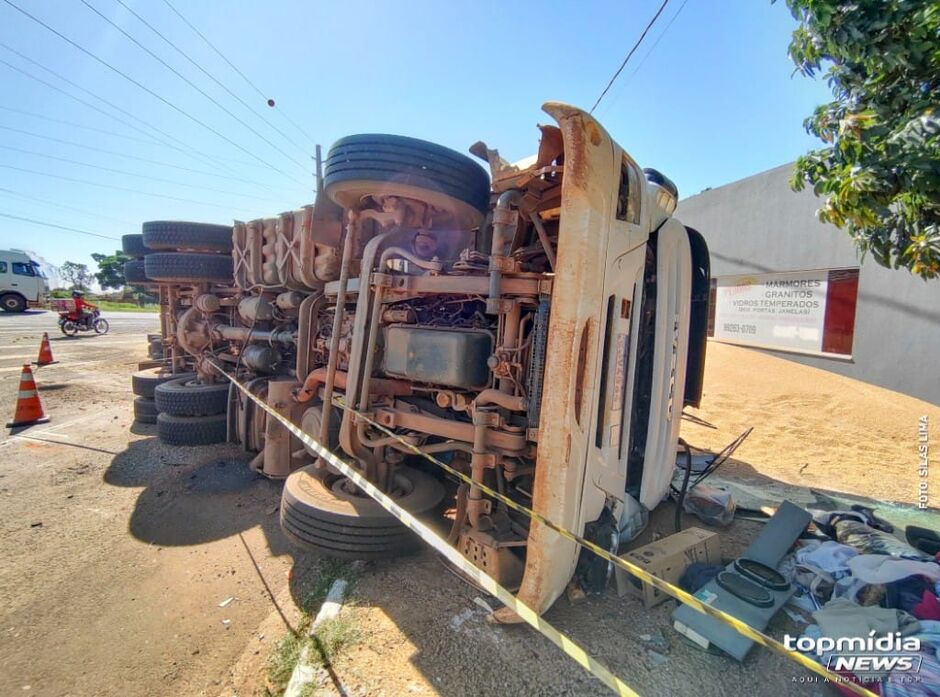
pixel 344 488
pixel 70 328
pixel 11 303
pixel 101 326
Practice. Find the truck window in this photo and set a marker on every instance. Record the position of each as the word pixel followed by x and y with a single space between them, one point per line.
pixel 3 267
pixel 22 269
pixel 628 194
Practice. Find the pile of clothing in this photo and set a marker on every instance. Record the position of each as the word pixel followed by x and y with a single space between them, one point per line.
pixel 858 580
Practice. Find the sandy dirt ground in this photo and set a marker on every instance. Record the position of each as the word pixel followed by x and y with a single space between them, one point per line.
pixel 811 427
pixel 117 552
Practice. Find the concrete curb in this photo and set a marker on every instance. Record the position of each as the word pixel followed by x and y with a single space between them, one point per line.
pixel 305 673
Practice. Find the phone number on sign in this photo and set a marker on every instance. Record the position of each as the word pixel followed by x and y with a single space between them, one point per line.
pixel 734 328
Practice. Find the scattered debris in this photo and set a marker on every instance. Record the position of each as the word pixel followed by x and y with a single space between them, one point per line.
pixel 656 641
pixel 483 604
pixel 575 593
pixel 668 558
pixel 657 658
pixel 226 602
pixel 37 524
pixel 456 622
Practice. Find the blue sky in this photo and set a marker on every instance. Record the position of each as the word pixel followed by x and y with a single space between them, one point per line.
pixel 714 101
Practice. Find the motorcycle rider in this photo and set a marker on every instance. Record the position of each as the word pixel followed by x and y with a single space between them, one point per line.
pixel 81 305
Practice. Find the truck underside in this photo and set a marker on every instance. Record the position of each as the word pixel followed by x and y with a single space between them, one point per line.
pixel 531 329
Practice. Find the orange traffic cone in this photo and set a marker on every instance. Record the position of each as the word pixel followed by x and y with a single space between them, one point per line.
pixel 45 352
pixel 28 405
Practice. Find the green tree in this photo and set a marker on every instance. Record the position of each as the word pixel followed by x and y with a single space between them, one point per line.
pixel 880 169
pixel 111 269
pixel 76 275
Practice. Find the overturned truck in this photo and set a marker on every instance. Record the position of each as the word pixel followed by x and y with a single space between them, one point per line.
pixel 538 328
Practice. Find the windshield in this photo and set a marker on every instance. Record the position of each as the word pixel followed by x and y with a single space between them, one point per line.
pixel 37 270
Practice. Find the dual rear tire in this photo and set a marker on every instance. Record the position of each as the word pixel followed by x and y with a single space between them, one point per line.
pixel 325 514
pixel 191 412
pixel 184 252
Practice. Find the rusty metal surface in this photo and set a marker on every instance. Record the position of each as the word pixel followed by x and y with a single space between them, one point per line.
pixel 559 485
pixel 448 428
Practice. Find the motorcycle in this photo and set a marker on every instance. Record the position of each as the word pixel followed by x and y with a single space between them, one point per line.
pixel 71 323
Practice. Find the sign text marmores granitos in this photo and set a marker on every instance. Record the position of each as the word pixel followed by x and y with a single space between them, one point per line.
pixel 790 311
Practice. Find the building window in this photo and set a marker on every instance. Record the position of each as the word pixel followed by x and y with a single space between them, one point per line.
pixel 799 311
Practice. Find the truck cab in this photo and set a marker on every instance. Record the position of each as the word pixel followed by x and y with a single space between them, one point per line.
pixel 22 282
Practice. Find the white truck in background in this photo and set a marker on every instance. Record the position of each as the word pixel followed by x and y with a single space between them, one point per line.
pixel 22 282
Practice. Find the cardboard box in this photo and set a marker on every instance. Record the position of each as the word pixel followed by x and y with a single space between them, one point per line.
pixel 668 559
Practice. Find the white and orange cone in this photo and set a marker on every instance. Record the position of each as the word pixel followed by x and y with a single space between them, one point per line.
pixel 45 352
pixel 29 409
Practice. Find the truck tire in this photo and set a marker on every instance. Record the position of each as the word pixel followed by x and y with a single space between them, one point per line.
pixel 188 397
pixel 145 411
pixel 11 302
pixel 192 430
pixel 321 515
pixel 360 165
pixel 173 235
pixel 144 382
pixel 174 267
pixel 133 246
pixel 134 272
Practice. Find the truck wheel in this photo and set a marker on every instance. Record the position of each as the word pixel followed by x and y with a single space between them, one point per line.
pixel 145 411
pixel 324 516
pixel 134 272
pixel 144 382
pixel 188 397
pixel 372 164
pixel 169 267
pixel 192 430
pixel 11 302
pixel 185 267
pixel 133 246
pixel 172 235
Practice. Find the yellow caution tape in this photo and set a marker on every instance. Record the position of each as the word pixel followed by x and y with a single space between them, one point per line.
pixel 571 648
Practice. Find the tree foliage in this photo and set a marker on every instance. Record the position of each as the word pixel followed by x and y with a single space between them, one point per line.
pixel 880 169
pixel 111 269
pixel 76 275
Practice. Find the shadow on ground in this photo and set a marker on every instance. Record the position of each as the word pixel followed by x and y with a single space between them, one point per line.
pixel 195 495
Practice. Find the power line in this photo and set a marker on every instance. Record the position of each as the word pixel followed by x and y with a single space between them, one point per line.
pixel 145 89
pixel 210 75
pixel 149 141
pixel 122 188
pixel 60 227
pixel 625 60
pixel 190 82
pixel 115 153
pixel 19 194
pixel 162 141
pixel 652 48
pixel 72 96
pixel 659 38
pixel 135 174
pixel 270 102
